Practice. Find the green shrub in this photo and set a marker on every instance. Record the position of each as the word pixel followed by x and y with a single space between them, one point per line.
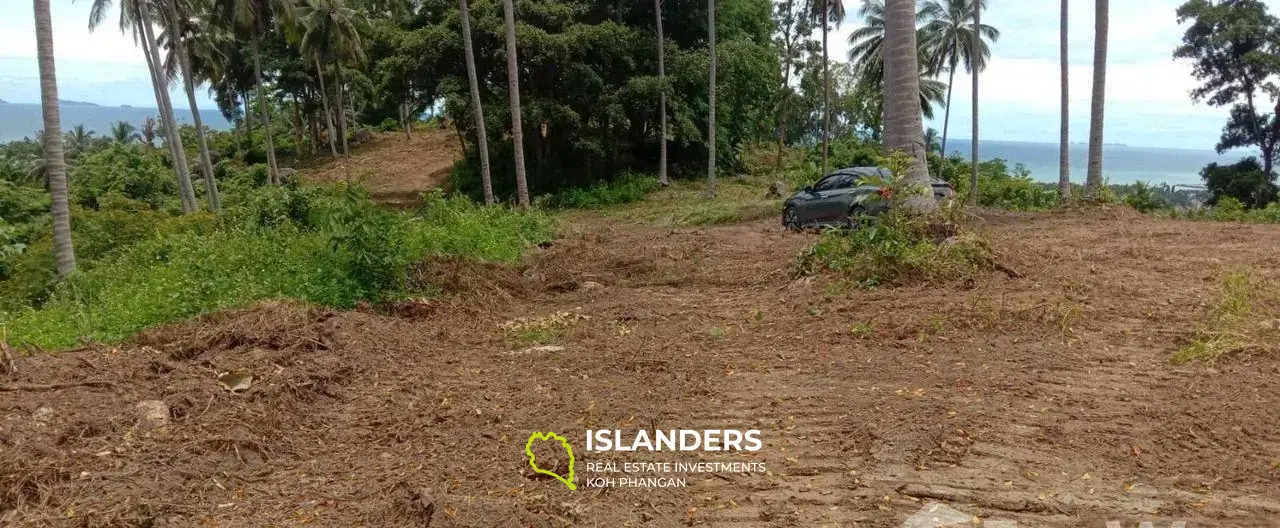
pixel 628 188
pixel 136 173
pixel 1143 198
pixel 897 250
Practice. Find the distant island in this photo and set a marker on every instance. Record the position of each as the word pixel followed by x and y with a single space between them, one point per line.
pixel 2 101
pixel 67 102
pixel 126 106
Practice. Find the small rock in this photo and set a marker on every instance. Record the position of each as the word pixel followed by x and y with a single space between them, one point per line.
pixel 542 349
pixel 590 286
pixel 776 190
pixel 287 172
pixel 937 515
pixel 151 415
pixel 42 416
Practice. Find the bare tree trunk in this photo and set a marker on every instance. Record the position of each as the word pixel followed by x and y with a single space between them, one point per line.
pixel 1094 179
pixel 951 81
pixel 903 125
pixel 206 160
pixel 55 166
pixel 784 105
pixel 273 170
pixel 328 117
pixel 404 120
pixel 973 168
pixel 826 90
pixel 513 83
pixel 342 111
pixel 482 138
pixel 1064 148
pixel 711 99
pixel 662 105
pixel 173 135
pixel 297 128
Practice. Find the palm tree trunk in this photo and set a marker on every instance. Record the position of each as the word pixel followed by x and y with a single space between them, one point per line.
pixel 482 138
pixel 903 124
pixel 273 170
pixel 297 128
pixel 55 167
pixel 1094 179
pixel 826 89
pixel 973 166
pixel 662 104
pixel 342 111
pixel 951 80
pixel 173 135
pixel 1064 147
pixel 324 101
pixel 711 99
pixel 206 161
pixel 513 83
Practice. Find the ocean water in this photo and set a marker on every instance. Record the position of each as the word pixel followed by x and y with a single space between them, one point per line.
pixel 23 120
pixel 1121 164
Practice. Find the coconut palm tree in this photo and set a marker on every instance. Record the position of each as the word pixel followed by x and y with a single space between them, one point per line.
pixel 77 140
pixel 711 100
pixel 482 138
pixel 513 88
pixel 138 16
pixel 975 40
pixel 1093 181
pixel 903 126
pixel 955 43
pixel 662 104
pixel 1064 147
pixel 251 20
pixel 64 253
pixel 332 33
pixel 826 13
pixel 866 50
pixel 124 132
pixel 932 141
pixel 867 54
pixel 187 37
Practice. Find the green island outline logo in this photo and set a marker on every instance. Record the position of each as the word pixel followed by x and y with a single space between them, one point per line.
pixel 528 450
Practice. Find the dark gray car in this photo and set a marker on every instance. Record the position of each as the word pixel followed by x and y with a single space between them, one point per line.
pixel 842 197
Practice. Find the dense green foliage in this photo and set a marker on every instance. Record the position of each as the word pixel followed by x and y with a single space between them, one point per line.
pixel 1243 181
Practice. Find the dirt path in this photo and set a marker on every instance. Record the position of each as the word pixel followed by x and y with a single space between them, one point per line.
pixel 1047 400
pixel 394 169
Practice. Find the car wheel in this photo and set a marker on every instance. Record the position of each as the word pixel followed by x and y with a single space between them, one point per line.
pixel 790 219
pixel 857 218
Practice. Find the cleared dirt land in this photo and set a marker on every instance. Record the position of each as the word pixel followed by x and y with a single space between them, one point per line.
pixel 1049 399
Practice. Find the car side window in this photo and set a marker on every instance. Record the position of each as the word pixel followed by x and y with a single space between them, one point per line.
pixel 846 181
pixel 826 184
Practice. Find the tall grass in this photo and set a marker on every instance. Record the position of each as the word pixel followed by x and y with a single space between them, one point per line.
pixel 325 246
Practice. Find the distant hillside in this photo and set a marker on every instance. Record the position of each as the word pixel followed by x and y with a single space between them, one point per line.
pixel 18 120
pixel 67 102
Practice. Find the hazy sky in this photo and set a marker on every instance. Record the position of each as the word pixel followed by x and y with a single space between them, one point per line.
pixel 1147 101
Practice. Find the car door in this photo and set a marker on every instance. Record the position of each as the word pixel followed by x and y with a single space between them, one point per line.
pixel 835 198
pixel 809 203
